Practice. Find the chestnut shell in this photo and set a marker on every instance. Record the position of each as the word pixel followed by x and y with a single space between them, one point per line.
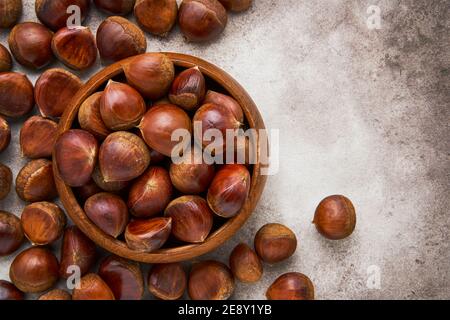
pixel 245 264
pixel 291 286
pixel 167 281
pixel 148 235
pixel 35 181
pixel 156 16
pixel 210 280
pixel 275 242
pixel 16 94
pixel 38 137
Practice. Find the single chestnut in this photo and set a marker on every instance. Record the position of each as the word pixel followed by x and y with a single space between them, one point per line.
pixel 116 7
pixel 156 16
pixel 55 14
pixel 109 186
pixel 225 101
pixel 76 250
pixel 10 12
pixel 119 38
pixel 53 91
pixel 43 223
pixel 151 74
pixel 87 191
pixel 167 281
pixel 202 20
pixel 192 219
pixel 150 193
pixel 34 270
pixel 236 5
pixel 5 181
pixel 123 157
pixel 5 59
pixel 210 280
pixel 245 264
pixel 56 294
pixel 8 291
pixel 188 89
pixel 75 47
pixel 335 217
pixel 124 277
pixel 90 118
pixel 291 286
pixel 38 137
pixel 5 134
pixel 11 234
pixel 16 94
pixel 148 235
pixel 92 287
pixel 35 181
pixel 275 242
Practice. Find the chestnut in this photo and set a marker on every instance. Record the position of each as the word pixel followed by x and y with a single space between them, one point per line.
pixel 229 190
pixel 90 118
pixel 87 191
pixel 188 89
pixel 158 125
pixel 275 242
pixel 192 219
pixel 156 16
pixel 245 264
pixel 56 294
pixel 43 223
pixel 76 250
pixel 116 7
pixel 5 134
pixel 119 38
pixel 167 281
pixel 16 94
pixel 54 13
pixel 151 74
pixel 92 287
pixel 225 101
pixel 76 155
pixel 38 137
pixel 236 5
pixel 291 286
pixel 124 277
pixel 148 235
pixel 35 181
pixel 110 186
pixel 202 20
pixel 53 91
pixel 335 217
pixel 5 59
pixel 10 12
pixel 75 47
pixel 210 280
pixel 5 181
pixel 123 157
pixel 150 193
pixel 8 291
pixel 34 270
pixel 11 234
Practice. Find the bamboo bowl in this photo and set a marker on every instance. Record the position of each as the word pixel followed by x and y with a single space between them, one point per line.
pixel 185 252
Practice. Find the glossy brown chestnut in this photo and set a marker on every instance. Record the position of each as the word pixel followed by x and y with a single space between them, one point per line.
pixel 38 137
pixel 34 270
pixel 116 7
pixel 111 186
pixel 54 13
pixel 5 134
pixel 236 5
pixel 87 191
pixel 8 291
pixel 291 286
pixel 5 181
pixel 75 47
pixel 76 250
pixel 56 294
pixel 202 20
pixel 156 16
pixel 188 89
pixel 225 101
pixel 335 217
pixel 167 281
pixel 76 154
pixel 10 12
pixel 16 94
pixel 11 234
pixel 245 264
pixel 119 38
pixel 148 235
pixel 53 91
pixel 275 242
pixel 151 74
pixel 90 118
pixel 210 280
pixel 35 181
pixel 123 157
pixel 5 59
pixel 192 219
pixel 92 287
pixel 124 277
pixel 43 223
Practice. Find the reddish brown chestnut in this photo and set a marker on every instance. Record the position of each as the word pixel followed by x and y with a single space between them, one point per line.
pixel 55 15
pixel 8 291
pixel 56 294
pixel 291 286
pixel 275 242
pixel 148 235
pixel 210 280
pixel 225 101
pixel 92 287
pixel 156 16
pixel 16 94
pixel 90 118
pixel 11 234
pixel 35 181
pixel 5 134
pixel 87 191
pixel 5 59
pixel 236 5
pixel 245 264
pixel 188 89
pixel 38 137
pixel 10 12
pixel 5 181
pixel 116 7
pixel 167 281
pixel 111 186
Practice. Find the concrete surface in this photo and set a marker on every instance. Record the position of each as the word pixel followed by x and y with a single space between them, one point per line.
pixel 363 113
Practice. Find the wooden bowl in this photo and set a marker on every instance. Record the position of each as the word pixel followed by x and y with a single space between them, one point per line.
pixel 184 252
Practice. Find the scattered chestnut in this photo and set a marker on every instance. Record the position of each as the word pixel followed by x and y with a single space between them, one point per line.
pixel 92 287
pixel 43 223
pixel 11 234
pixel 210 280
pixel 53 91
pixel 5 59
pixel 110 186
pixel 151 74
pixel 8 291
pixel 202 20
pixel 225 101
pixel 156 16
pixel 34 270
pixel 87 191
pixel 335 217
pixel 148 235
pixel 291 286
pixel 150 193
pixel 5 181
pixel 192 219
pixel 116 7
pixel 35 181
pixel 75 47
pixel 245 264
pixel 188 89
pixel 275 242
pixel 38 137
pixel 236 5
pixel 119 38
pixel 167 281
pixel 16 94
pixel 54 13
pixel 123 157
pixel 5 134
pixel 10 12
pixel 56 294
pixel 90 118
pixel 124 277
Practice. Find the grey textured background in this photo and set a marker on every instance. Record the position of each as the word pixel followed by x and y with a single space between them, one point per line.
pixel 363 113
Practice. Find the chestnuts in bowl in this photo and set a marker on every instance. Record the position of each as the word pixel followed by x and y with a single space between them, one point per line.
pixel 188 89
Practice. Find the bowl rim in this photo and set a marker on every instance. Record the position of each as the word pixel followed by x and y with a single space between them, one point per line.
pixel 184 252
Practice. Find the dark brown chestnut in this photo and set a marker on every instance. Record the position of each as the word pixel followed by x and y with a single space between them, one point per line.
pixel 291 286
pixel 116 7
pixel 87 191
pixel 55 15
pixel 210 280
pixel 5 59
pixel 275 242
pixel 245 264
pixel 225 101
pixel 5 134
pixel 11 234
pixel 92 287
pixel 167 281
pixel 35 181
pixel 111 186
pixel 148 235
pixel 90 118
pixel 156 16
pixel 8 291
pixel 76 155
pixel 188 89
pixel 236 5
pixel 56 294
pixel 5 181
pixel 16 94
pixel 335 217
pixel 10 12
pixel 38 137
